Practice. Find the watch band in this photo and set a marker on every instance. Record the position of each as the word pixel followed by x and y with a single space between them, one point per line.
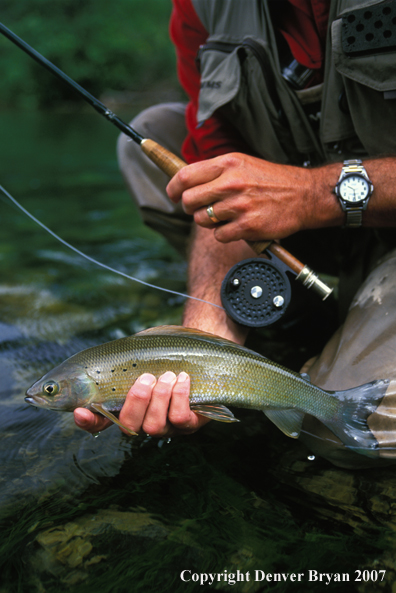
pixel 354 218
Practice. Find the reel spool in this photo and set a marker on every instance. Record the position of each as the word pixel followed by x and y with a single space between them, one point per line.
pixel 256 292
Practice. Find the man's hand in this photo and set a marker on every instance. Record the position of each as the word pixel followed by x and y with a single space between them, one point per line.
pixel 255 199
pixel 158 408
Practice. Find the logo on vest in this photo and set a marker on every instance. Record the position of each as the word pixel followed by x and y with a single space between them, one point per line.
pixel 211 84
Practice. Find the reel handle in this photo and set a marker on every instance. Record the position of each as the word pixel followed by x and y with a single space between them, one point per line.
pixel 170 164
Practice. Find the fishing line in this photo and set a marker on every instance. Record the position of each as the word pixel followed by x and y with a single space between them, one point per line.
pixel 95 261
pixel 109 268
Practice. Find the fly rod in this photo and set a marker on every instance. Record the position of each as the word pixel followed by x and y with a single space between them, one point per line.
pixel 168 162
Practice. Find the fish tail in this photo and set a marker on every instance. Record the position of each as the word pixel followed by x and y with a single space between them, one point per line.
pixel 350 424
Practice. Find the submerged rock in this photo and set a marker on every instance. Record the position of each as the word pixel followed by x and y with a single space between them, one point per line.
pixel 70 551
pixel 67 551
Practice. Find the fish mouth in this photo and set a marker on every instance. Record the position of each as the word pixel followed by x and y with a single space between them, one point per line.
pixel 34 400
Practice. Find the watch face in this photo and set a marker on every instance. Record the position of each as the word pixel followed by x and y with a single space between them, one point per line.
pixel 354 188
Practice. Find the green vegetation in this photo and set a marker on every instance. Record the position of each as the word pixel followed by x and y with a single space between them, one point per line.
pixel 118 45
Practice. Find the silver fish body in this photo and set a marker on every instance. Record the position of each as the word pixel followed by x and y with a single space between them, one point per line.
pixel 222 374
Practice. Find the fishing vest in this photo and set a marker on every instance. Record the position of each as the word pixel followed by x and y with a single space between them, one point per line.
pixel 241 78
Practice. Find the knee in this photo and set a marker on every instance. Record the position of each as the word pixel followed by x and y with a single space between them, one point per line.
pixel 148 124
pixel 128 149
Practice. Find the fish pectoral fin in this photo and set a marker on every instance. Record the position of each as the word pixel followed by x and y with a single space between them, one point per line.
pixel 288 421
pixel 306 377
pixel 214 412
pixel 101 410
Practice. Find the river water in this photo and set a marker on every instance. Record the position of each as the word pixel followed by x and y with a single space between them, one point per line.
pixel 114 514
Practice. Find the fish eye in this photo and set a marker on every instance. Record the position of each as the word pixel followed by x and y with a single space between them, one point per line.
pixel 51 388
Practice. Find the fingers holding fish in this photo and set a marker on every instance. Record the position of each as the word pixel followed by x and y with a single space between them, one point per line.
pixel 147 404
pixel 89 421
pixel 134 410
pixel 180 414
pixel 155 422
pixel 160 407
pixel 155 407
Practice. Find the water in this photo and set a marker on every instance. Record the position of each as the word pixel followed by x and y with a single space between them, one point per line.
pixel 118 514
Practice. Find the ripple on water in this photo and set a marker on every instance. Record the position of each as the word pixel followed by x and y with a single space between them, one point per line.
pixel 40 450
pixel 40 314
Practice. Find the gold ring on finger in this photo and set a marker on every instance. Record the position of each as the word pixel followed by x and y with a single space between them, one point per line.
pixel 211 214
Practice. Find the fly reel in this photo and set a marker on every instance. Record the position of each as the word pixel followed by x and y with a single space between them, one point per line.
pixel 256 292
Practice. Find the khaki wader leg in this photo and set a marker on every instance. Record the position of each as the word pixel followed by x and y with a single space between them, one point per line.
pixel 146 182
pixel 362 350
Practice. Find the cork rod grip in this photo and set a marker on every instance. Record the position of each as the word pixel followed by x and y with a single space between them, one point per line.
pixel 168 162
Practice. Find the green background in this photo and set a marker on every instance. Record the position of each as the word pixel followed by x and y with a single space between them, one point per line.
pixel 117 45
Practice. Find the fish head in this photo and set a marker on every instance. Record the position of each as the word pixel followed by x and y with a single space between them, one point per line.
pixel 64 388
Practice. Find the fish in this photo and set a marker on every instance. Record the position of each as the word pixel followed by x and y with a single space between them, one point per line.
pixel 222 374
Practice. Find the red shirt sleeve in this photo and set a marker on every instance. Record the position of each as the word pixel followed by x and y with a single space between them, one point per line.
pixel 303 24
pixel 214 137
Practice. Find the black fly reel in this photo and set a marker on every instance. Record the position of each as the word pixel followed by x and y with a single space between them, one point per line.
pixel 256 292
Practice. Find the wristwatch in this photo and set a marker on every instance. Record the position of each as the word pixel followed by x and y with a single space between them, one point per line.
pixel 354 190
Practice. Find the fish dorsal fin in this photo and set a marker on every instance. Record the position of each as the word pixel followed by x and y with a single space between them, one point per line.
pixel 170 330
pixel 178 330
pixel 214 412
pixel 288 421
pixel 306 377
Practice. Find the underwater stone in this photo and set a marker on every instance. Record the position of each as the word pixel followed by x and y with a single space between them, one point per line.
pixel 69 546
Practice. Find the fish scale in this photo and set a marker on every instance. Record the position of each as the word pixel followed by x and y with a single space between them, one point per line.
pixel 255 380
pixel 222 374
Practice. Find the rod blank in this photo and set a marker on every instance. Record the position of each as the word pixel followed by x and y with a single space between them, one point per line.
pixel 168 162
pixel 95 103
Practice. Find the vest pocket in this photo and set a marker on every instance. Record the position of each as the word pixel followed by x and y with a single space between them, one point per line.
pixel 241 81
pixel 370 88
pixel 220 78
